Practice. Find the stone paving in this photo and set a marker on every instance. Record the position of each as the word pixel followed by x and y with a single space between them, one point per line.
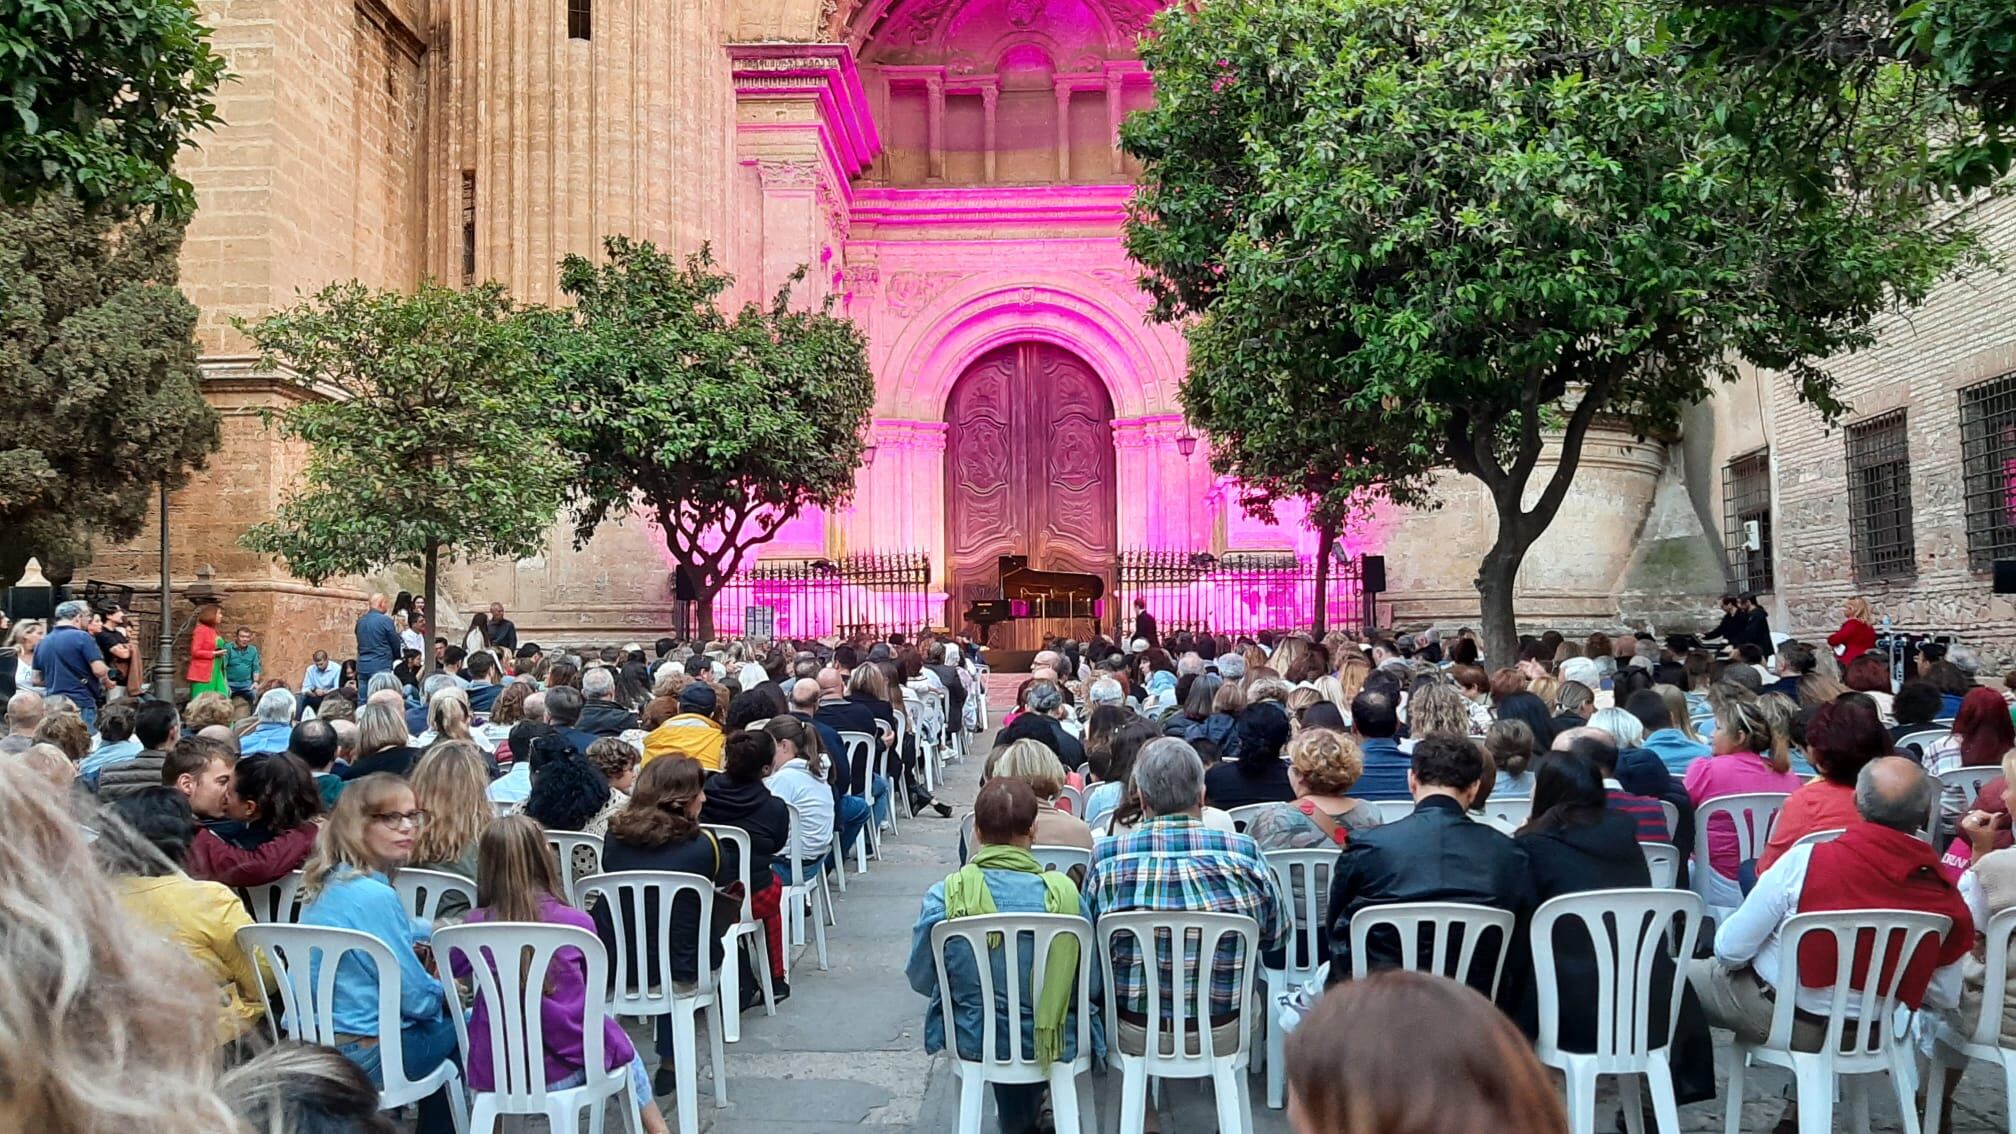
pixel 846 1051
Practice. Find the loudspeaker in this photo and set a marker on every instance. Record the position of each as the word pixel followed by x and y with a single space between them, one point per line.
pixel 1372 574
pixel 682 585
pixel 2005 576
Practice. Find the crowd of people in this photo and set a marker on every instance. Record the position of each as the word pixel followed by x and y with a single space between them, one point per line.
pixel 1178 763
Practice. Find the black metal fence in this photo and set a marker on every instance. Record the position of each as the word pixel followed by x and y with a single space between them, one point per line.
pixel 1243 592
pixel 874 594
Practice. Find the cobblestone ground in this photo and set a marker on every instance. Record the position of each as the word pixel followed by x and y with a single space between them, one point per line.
pixel 846 1051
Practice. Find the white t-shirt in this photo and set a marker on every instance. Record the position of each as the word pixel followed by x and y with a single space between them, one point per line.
pixel 812 801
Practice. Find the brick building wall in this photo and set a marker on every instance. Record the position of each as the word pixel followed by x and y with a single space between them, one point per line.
pixel 1962 337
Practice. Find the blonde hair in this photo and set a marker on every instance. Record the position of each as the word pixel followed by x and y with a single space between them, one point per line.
pixel 1352 670
pixel 1300 698
pixel 1547 688
pixel 451 784
pixel 379 726
pixel 1332 690
pixel 1288 651
pixel 104 1025
pixel 1230 699
pixel 1678 710
pixel 448 715
pixel 207 709
pixel 1757 724
pixel 1328 761
pixel 341 841
pixel 1032 762
pixel 1858 610
pixel 1438 709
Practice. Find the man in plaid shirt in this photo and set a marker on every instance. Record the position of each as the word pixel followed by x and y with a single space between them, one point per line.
pixel 1174 862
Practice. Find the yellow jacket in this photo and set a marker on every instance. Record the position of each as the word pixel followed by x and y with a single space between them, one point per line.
pixel 688 734
pixel 202 919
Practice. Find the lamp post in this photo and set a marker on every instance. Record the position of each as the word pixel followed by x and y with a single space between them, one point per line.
pixel 164 650
pixel 1186 443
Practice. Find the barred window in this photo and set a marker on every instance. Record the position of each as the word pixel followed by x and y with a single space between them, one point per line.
pixel 578 19
pixel 468 227
pixel 1879 497
pixel 1746 500
pixel 1988 457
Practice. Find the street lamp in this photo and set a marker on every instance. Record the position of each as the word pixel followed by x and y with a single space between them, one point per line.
pixel 1186 443
pixel 868 455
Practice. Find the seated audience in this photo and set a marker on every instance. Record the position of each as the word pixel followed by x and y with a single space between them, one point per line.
pixel 382 742
pixel 1842 737
pixel 1982 733
pixel 693 733
pixel 450 785
pixel 1989 887
pixel 157 727
pixel 116 742
pixel 315 741
pixel 1002 877
pixel 567 791
pixel 1375 721
pixel 1323 764
pixel 145 838
pixel 1530 709
pixel 1877 864
pixel 1174 863
pixel 304 1088
pixel 661 830
pixel 1664 738
pixel 517 881
pixel 1257 774
pixel 1750 755
pixel 347 885
pixel 1038 767
pixel 1916 708
pixel 25 710
pixel 736 796
pixel 275 714
pixel 1112 769
pixel 1355 1063
pixel 1437 854
pixel 600 714
pixel 272 817
pixel 799 775
pixel 1509 743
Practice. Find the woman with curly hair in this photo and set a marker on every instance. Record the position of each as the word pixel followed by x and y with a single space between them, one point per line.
pixel 1438 709
pixel 567 791
pixel 452 787
pixel 206 709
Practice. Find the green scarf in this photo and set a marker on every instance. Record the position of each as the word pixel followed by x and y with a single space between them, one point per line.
pixel 966 895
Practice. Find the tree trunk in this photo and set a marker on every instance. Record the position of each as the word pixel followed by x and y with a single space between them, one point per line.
pixel 1326 543
pixel 703 613
pixel 1497 576
pixel 428 662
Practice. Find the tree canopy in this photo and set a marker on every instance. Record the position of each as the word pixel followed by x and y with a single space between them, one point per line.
pixel 1408 235
pixel 98 96
pixel 722 426
pixel 98 357
pixel 431 443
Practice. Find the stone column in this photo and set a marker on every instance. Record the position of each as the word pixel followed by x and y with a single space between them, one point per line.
pixel 990 98
pixel 1116 87
pixel 1063 130
pixel 934 90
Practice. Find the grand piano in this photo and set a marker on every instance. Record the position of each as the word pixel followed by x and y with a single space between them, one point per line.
pixel 1045 602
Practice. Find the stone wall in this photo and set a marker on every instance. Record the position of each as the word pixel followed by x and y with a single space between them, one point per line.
pixel 1961 337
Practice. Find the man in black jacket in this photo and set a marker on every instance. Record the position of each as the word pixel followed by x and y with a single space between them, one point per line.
pixel 1437 854
pixel 947 672
pixel 600 714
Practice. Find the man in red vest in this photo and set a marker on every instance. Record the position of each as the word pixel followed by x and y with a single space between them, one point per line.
pixel 1879 863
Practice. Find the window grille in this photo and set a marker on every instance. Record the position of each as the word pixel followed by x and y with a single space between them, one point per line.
pixel 1746 499
pixel 468 227
pixel 1879 497
pixel 579 19
pixel 1988 460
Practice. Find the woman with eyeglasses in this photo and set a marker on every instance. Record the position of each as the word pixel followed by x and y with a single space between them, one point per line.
pixel 347 885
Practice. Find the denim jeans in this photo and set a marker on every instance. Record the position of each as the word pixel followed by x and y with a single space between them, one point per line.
pixel 853 817
pixel 424 1046
pixel 640 1082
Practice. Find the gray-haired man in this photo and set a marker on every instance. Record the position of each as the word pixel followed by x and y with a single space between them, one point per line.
pixel 68 662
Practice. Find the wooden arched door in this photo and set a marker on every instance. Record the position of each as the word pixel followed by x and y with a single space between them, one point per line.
pixel 1029 470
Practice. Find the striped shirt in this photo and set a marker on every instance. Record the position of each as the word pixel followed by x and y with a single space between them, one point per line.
pixel 1175 863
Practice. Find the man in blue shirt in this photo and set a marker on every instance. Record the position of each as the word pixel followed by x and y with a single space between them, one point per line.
pixel 378 643
pixel 1375 719
pixel 1662 739
pixel 69 663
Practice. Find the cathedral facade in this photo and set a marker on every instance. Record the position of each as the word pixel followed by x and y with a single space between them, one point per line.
pixel 946 169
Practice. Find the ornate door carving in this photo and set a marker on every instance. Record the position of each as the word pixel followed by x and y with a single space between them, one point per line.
pixel 1029 468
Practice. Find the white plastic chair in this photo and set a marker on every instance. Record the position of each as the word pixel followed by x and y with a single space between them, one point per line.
pixel 1859 1045
pixel 1922 740
pixel 1672 813
pixel 634 896
pixel 1953 1050
pixel 1180 1043
pixel 1818 837
pixel 1061 858
pixel 1020 939
pixel 1394 809
pixel 889 766
pixel 747 933
pixel 1073 800
pixel 803 891
pixel 563 844
pixel 1754 815
pixel 275 903
pixel 1630 931
pixel 968 840
pixel 1309 866
pixel 1510 812
pixel 860 748
pixel 1663 860
pixel 422 891
pixel 1245 813
pixel 1455 932
pixel 1970 779
pixel 304 960
pixel 507 964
